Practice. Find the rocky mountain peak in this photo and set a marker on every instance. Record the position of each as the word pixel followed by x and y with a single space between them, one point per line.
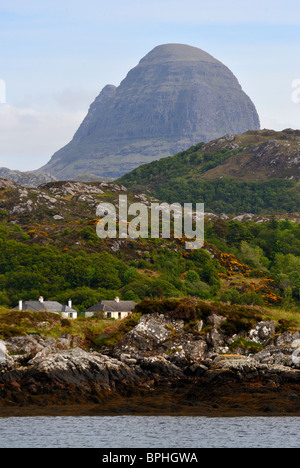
pixel 176 52
pixel 177 96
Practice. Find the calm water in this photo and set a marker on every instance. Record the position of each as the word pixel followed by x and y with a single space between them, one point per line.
pixel 149 432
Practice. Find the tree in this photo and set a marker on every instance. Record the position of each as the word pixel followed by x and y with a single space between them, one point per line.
pixel 253 256
pixel 286 270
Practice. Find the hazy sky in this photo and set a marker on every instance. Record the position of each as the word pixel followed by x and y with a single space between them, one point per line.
pixel 56 56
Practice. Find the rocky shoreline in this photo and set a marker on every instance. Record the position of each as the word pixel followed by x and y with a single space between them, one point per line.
pixel 161 367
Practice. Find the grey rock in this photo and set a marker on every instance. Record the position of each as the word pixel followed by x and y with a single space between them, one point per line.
pixel 217 341
pixel 280 355
pixel 158 353
pixel 160 365
pixel 78 367
pixel 215 320
pixel 286 338
pixel 29 346
pixel 197 350
pixel 199 325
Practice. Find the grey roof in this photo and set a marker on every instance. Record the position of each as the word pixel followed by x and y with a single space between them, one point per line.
pixel 113 306
pixel 46 306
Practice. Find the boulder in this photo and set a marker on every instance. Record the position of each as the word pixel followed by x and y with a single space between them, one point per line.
pixel 262 332
pixel 196 350
pixel 152 333
pixel 161 366
pixel 215 320
pixel 217 341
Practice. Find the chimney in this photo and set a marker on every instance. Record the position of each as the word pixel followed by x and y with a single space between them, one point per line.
pixel 41 299
pixel 70 303
pixel 117 299
pixel 20 305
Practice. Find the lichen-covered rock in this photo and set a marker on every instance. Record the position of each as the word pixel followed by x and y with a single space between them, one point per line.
pixel 30 345
pixel 263 332
pixel 152 333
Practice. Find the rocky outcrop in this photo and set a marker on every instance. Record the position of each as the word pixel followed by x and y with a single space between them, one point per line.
pixel 69 200
pixel 260 156
pixel 26 179
pixel 162 365
pixel 177 96
pixel 56 201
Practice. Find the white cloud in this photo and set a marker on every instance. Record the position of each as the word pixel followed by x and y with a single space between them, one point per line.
pixel 281 122
pixel 72 99
pixel 28 137
pixel 2 92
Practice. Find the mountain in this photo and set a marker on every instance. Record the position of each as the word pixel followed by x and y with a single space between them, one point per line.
pixel 175 97
pixel 27 178
pixel 256 172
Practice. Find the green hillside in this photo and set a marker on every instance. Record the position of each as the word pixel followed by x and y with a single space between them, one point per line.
pixel 257 172
pixel 49 247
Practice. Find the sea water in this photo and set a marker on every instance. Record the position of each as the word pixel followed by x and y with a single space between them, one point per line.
pixel 149 432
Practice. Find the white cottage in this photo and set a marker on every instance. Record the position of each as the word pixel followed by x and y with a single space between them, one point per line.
pixel 112 309
pixel 66 311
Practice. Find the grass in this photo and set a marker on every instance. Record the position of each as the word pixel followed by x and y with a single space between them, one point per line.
pixel 285 317
pixel 250 346
pixel 15 323
pixel 114 333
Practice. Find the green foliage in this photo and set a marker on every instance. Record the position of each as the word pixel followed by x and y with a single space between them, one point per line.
pixel 28 270
pixel 253 256
pixel 235 297
pixel 3 214
pixel 182 178
pixel 286 270
pixel 192 276
pixel 271 248
pixel 88 233
pixel 232 196
pixel 249 346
